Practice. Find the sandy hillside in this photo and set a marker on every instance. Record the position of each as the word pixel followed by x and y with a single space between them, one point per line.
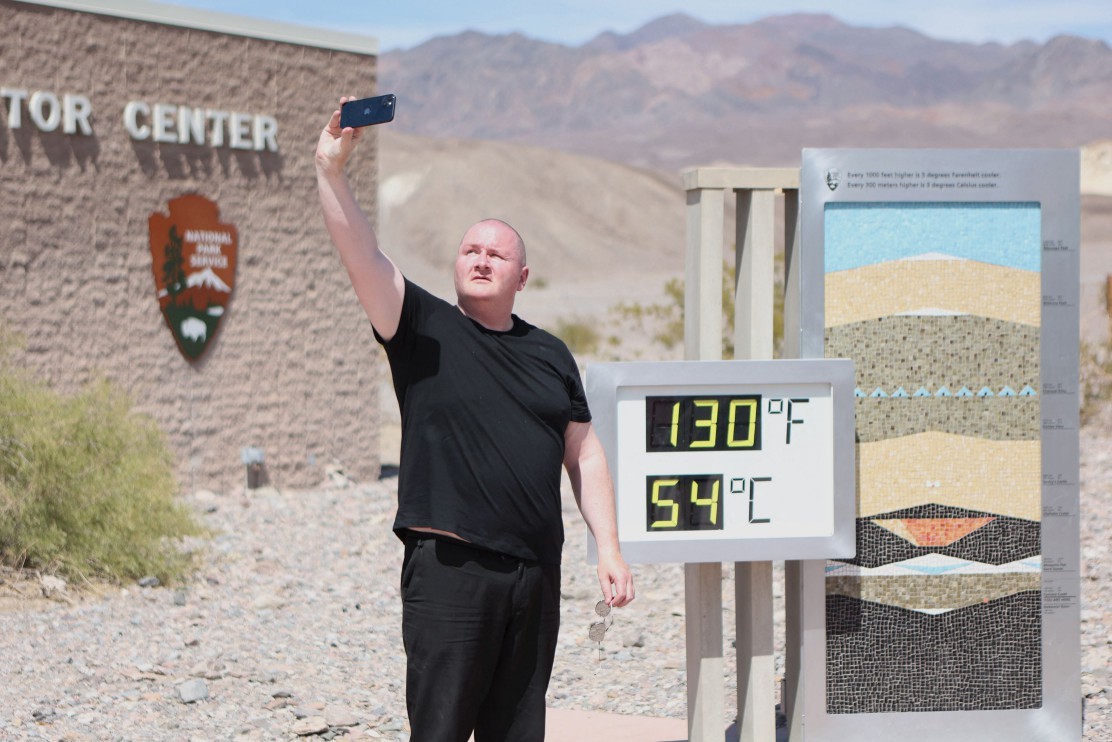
pixel 1096 240
pixel 1096 168
pixel 597 232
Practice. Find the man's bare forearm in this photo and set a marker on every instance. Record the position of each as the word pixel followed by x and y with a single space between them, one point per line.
pixel 594 495
pixel 589 474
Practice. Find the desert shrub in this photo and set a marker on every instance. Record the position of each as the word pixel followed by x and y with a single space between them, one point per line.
pixel 86 486
pixel 665 320
pixel 579 335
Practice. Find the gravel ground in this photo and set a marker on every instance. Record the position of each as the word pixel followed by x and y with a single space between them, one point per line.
pixel 292 627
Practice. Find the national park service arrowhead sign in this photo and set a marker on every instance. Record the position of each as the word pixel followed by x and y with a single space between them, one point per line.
pixel 194 265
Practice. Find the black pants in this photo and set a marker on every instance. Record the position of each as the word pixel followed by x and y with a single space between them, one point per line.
pixel 480 634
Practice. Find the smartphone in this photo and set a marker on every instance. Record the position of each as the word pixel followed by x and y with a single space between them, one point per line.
pixel 367 111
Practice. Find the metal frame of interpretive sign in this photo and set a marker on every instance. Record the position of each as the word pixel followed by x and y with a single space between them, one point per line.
pixel 1043 187
pixel 728 461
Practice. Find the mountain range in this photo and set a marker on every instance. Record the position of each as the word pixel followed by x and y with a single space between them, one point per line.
pixel 679 93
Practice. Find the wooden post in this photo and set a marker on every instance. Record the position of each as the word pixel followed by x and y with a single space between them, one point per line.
pixel 703 582
pixel 753 339
pixel 791 698
pixel 753 319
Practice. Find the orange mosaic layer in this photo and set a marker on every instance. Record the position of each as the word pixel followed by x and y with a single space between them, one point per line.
pixel 932 531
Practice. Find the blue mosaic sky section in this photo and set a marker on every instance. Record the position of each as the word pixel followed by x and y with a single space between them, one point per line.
pixel 860 234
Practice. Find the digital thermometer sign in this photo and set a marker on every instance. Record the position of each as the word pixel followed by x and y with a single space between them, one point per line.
pixel 719 461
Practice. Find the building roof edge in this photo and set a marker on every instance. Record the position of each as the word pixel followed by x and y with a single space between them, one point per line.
pixel 210 20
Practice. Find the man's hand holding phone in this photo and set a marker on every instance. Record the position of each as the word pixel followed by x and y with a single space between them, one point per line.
pixel 336 144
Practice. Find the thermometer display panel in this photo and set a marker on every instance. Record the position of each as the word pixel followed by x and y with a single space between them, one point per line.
pixel 703 423
pixel 728 460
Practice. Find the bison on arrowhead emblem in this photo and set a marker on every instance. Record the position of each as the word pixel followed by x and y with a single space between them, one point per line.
pixel 194 264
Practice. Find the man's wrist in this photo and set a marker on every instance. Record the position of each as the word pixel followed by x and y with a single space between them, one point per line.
pixel 611 549
pixel 330 172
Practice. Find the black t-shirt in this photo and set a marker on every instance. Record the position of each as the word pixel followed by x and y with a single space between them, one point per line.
pixel 483 420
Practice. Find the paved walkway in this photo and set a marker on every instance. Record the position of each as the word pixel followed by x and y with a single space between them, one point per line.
pixel 588 726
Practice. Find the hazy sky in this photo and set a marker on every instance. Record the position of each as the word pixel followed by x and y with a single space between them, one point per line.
pixel 406 23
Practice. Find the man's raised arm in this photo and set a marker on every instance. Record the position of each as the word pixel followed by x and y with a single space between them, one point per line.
pixel 377 281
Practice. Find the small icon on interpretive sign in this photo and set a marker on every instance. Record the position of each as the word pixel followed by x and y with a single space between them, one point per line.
pixel 832 177
pixel 194 265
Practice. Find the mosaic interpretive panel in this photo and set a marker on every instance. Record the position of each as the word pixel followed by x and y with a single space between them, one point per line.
pixel 939 306
pixel 951 279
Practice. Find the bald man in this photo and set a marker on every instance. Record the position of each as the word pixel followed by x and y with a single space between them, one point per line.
pixel 492 408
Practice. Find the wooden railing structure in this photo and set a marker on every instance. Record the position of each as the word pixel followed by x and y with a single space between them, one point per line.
pixel 755 191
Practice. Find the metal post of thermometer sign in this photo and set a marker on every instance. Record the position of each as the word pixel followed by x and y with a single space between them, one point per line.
pixel 755 192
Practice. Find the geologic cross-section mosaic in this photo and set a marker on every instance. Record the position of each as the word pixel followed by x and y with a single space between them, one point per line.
pixel 938 304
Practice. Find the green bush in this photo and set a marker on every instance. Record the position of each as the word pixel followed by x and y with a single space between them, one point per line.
pixel 580 336
pixel 86 486
pixel 666 319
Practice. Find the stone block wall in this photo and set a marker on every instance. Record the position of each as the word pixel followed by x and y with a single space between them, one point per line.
pixel 293 369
